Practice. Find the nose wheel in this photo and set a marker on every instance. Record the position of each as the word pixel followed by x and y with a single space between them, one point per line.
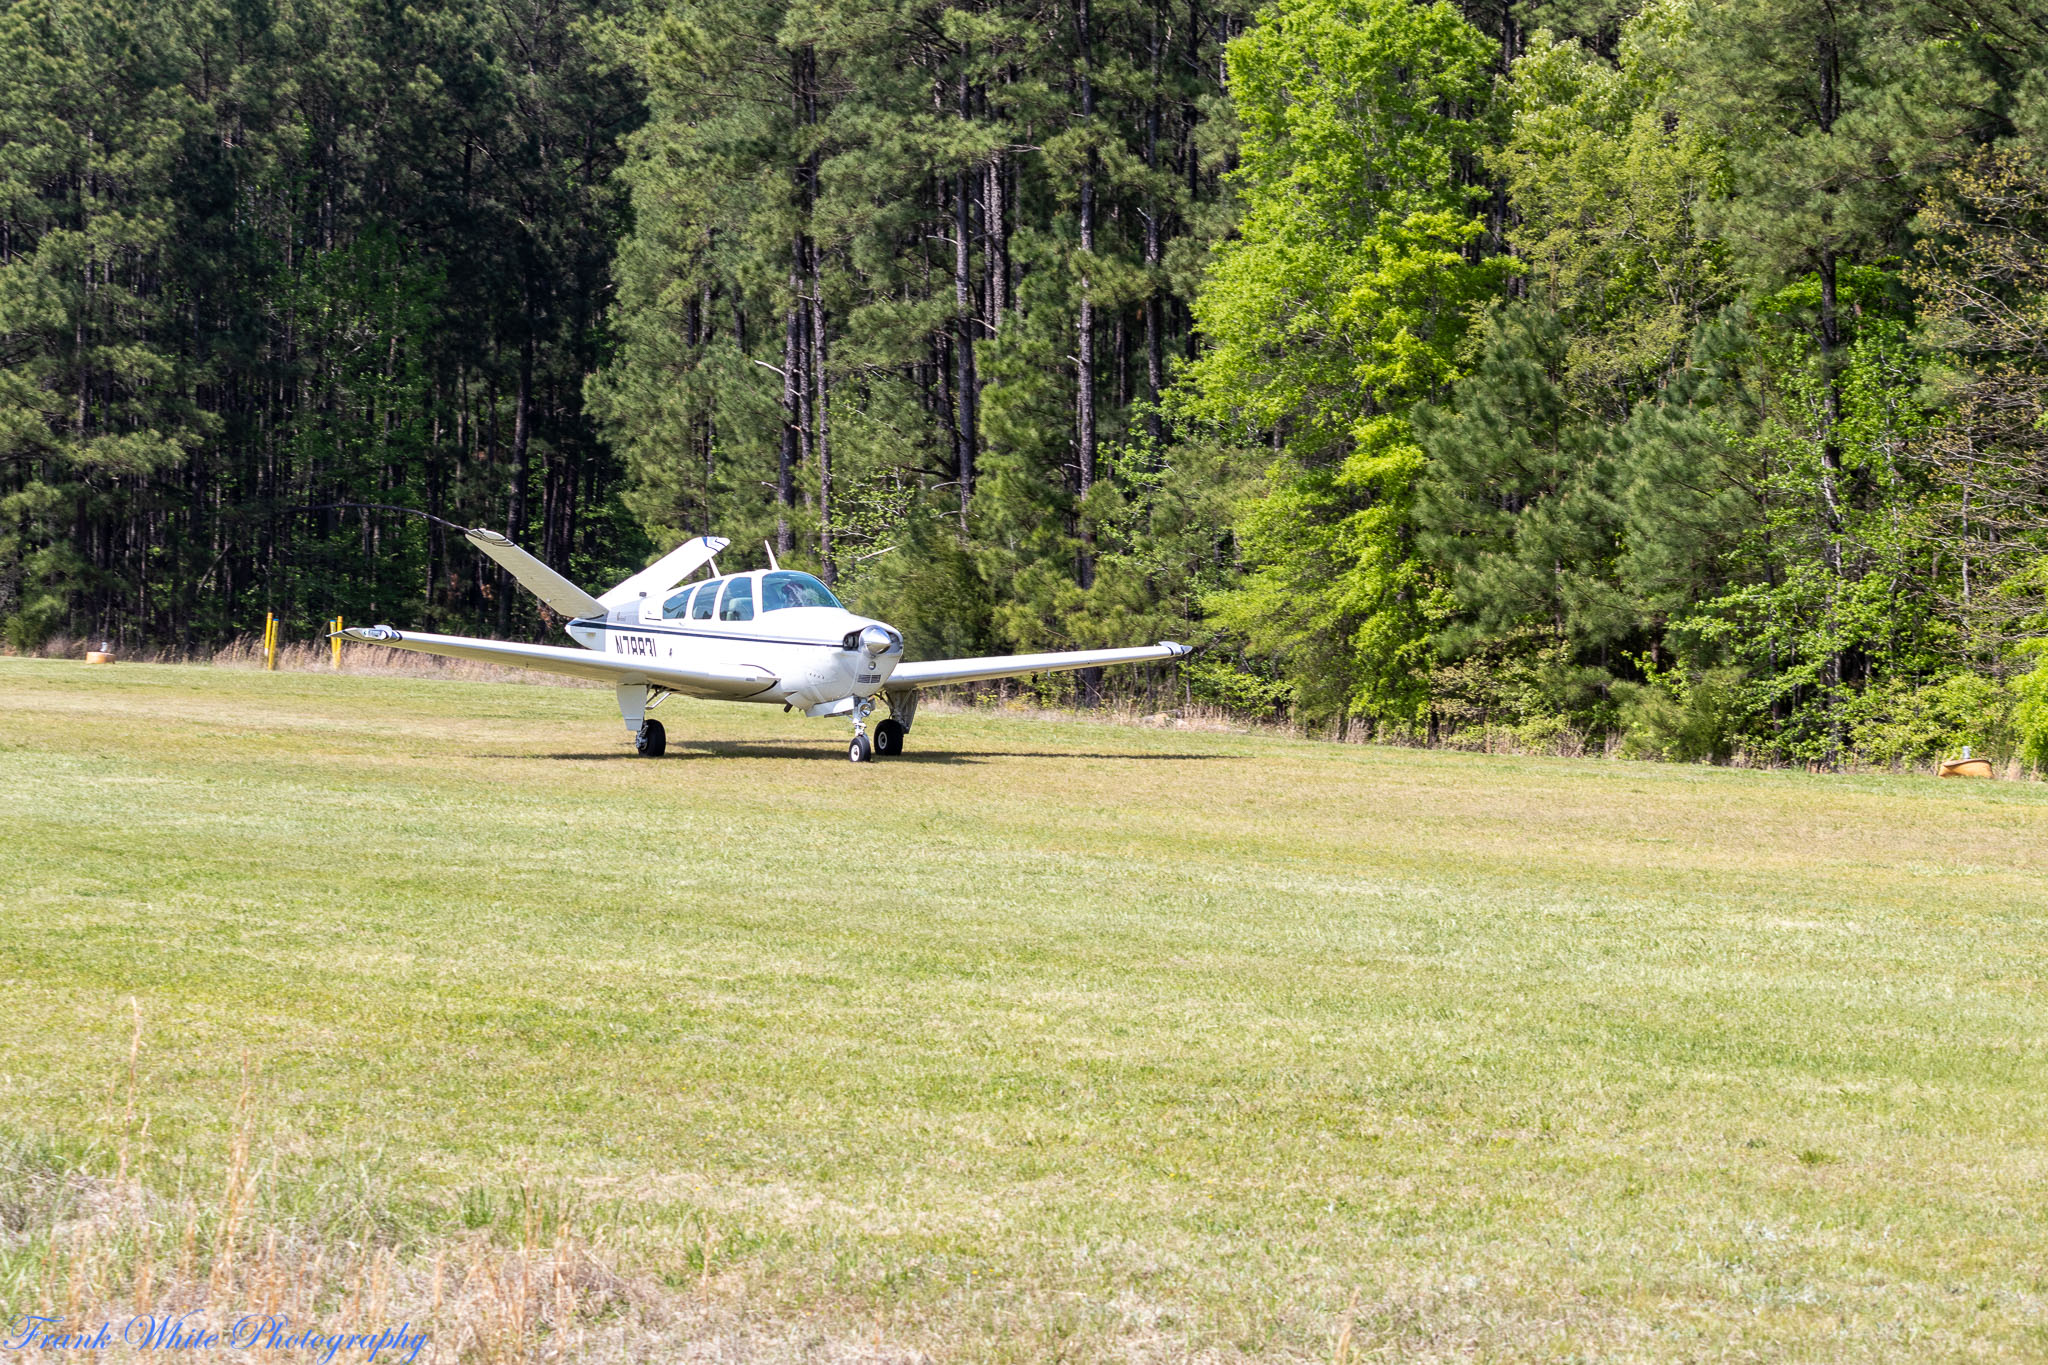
pixel 888 738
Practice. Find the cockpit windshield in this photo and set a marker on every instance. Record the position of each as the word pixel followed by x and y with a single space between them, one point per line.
pixel 787 588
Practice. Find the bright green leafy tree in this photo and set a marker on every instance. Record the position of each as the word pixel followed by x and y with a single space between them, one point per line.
pixel 1339 305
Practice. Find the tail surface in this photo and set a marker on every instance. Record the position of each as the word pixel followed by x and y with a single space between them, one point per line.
pixel 536 577
pixel 664 573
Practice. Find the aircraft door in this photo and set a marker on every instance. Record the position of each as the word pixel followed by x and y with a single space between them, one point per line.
pixel 738 602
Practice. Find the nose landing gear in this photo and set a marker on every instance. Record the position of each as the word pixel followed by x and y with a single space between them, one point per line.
pixel 862 749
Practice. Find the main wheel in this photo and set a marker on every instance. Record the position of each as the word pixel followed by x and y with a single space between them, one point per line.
pixel 860 751
pixel 652 741
pixel 888 739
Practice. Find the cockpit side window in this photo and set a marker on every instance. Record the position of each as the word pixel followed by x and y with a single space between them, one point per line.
pixel 739 601
pixel 787 588
pixel 707 593
pixel 678 606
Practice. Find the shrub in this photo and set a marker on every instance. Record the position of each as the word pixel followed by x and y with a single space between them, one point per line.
pixel 1216 681
pixel 1901 722
pixel 2030 716
pixel 1686 718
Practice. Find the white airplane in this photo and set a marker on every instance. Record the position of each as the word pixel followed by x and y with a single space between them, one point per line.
pixel 770 635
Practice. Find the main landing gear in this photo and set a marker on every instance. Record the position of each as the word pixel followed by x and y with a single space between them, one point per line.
pixel 888 737
pixel 652 741
pixel 635 701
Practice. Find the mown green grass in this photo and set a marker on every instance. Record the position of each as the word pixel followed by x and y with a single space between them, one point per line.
pixel 1061 1038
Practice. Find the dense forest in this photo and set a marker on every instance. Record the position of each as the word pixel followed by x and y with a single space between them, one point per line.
pixel 1564 371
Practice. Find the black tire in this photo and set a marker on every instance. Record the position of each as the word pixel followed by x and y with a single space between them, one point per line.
pixel 888 739
pixel 860 751
pixel 652 741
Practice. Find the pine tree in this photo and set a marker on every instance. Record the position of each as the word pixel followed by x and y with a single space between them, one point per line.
pixel 92 398
pixel 1518 500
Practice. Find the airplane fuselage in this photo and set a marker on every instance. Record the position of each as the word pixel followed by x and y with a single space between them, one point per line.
pixel 820 656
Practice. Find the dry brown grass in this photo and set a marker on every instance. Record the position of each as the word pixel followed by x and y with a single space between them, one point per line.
pixel 376 661
pixel 116 1253
pixel 316 656
pixel 110 1250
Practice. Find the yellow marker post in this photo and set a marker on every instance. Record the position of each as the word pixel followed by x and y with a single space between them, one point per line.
pixel 270 641
pixel 337 642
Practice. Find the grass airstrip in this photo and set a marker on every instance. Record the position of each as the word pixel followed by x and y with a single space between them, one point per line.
pixel 1047 1040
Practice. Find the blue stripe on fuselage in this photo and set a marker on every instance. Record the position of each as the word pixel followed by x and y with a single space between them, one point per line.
pixel 708 634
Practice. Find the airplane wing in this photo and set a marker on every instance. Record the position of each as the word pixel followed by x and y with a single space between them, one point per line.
pixel 1016 665
pixel 536 577
pixel 737 682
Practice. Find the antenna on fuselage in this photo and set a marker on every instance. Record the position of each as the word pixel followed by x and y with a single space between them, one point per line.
pixel 771 555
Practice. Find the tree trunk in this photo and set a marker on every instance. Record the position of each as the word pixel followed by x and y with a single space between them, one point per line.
pixel 831 570
pixel 965 434
pixel 710 469
pixel 1830 492
pixel 1155 359
pixel 1084 398
pixel 996 266
pixel 1120 347
pixel 1830 446
pixel 522 431
pixel 701 333
pixel 792 414
pixel 963 339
